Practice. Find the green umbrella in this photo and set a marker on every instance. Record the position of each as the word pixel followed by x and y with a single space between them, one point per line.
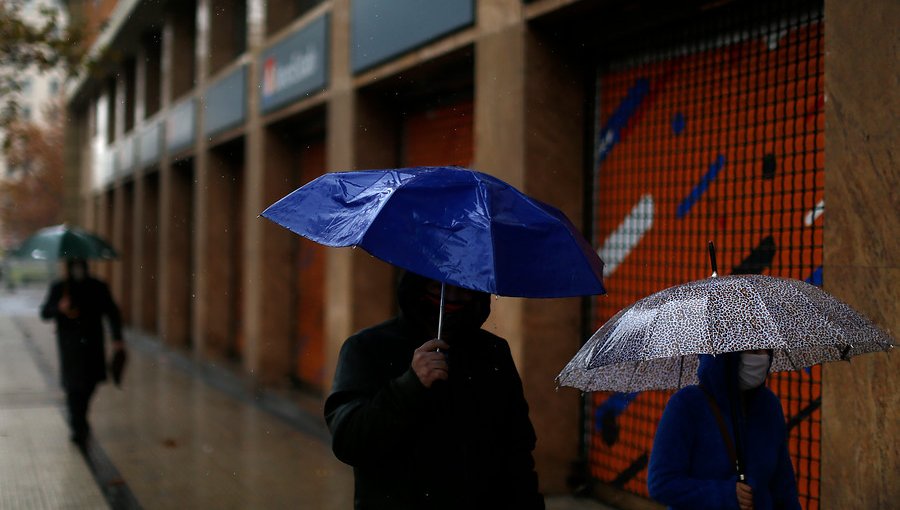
pixel 64 242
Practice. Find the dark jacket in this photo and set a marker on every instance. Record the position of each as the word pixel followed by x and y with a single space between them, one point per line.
pixel 690 467
pixel 80 340
pixel 465 443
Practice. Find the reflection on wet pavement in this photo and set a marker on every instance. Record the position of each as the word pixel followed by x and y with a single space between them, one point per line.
pixel 180 443
pixel 173 437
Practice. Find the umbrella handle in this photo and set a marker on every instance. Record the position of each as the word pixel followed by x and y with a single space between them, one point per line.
pixel 441 314
pixel 712 259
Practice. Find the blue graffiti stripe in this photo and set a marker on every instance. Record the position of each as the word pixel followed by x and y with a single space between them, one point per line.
pixel 816 277
pixel 616 404
pixel 685 206
pixel 610 134
pixel 678 123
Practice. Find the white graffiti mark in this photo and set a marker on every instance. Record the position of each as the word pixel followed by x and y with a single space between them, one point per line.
pixel 627 235
pixel 814 213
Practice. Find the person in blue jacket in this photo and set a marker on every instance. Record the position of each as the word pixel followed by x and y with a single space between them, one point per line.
pixel 693 464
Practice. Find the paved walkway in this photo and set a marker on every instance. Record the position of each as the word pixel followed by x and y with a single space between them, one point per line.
pixel 176 436
pixel 39 467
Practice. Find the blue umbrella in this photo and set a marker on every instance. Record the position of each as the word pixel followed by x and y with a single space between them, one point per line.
pixel 450 224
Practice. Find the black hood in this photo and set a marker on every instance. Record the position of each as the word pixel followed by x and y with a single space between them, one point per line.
pixel 420 312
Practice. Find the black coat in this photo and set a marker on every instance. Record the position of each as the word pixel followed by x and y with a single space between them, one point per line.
pixel 465 443
pixel 80 340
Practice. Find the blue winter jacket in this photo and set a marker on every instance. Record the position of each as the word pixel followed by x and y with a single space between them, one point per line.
pixel 690 467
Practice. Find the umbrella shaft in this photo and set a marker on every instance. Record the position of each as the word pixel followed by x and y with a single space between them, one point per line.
pixel 441 312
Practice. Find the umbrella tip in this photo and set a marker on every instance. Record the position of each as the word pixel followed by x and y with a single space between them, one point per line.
pixel 712 259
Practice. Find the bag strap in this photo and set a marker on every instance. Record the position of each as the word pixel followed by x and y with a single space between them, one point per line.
pixel 729 443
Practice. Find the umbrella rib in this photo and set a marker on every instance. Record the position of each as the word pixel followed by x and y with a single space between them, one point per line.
pixel 787 352
pixel 811 305
pixel 485 199
pixel 769 315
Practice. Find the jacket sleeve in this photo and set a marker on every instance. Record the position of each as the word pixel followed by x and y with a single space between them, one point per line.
pixel 49 310
pixel 369 417
pixel 784 485
pixel 668 478
pixel 521 480
pixel 111 310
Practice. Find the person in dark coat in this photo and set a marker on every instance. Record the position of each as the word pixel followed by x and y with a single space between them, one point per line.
pixel 430 424
pixel 690 464
pixel 78 304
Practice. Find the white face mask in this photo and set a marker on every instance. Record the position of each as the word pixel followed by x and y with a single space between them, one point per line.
pixel 752 370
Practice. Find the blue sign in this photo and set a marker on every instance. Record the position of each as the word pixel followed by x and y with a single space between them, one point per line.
pixel 382 29
pixel 225 105
pixel 180 130
pixel 149 145
pixel 295 67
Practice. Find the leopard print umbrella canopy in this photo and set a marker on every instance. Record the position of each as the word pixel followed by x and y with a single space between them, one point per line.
pixel 653 344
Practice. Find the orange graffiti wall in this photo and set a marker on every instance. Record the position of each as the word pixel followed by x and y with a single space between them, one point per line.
pixel 722 140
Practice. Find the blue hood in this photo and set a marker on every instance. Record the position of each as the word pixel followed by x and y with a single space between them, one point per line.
pixel 690 467
pixel 718 374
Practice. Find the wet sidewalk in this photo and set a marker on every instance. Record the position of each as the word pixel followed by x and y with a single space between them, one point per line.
pixel 177 435
pixel 39 467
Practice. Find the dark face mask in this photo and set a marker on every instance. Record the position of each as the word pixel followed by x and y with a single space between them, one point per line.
pixel 77 270
pixel 422 308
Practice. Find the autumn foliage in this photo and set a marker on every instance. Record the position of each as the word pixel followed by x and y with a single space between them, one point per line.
pixel 31 194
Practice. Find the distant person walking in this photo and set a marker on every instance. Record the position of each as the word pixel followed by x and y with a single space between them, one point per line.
pixel 78 304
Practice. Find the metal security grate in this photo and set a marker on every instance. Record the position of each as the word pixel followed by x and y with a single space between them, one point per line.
pixel 715 132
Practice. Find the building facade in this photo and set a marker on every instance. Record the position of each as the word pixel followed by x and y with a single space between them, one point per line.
pixel 656 126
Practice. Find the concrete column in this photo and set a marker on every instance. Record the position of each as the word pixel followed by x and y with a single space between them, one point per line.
pixel 175 198
pixel 168 246
pixel 266 305
pixel 358 287
pixel 529 132
pixel 201 254
pixel 500 125
pixel 552 329
pixel 860 402
pixel 137 75
pixel 135 230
